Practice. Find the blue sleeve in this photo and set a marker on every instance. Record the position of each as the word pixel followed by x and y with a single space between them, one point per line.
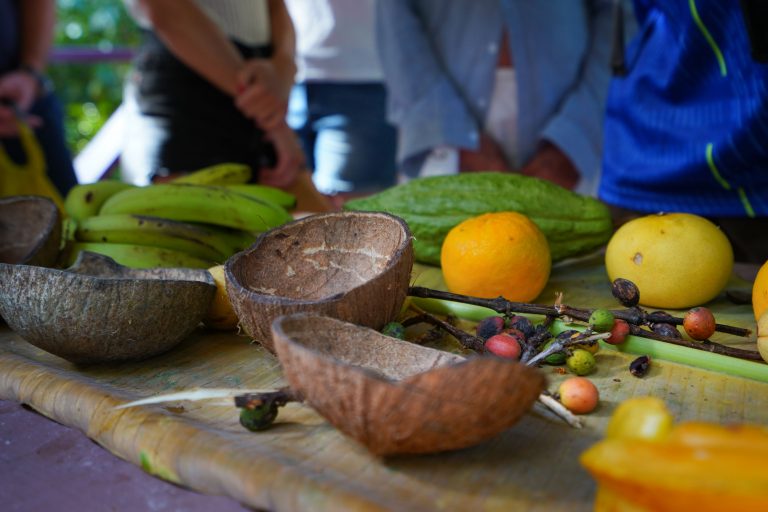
pixel 577 128
pixel 422 100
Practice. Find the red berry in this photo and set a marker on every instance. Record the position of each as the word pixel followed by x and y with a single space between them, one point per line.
pixel 699 323
pixel 619 332
pixel 504 345
pixel 579 395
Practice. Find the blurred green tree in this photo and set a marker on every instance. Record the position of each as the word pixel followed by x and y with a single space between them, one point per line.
pixel 90 88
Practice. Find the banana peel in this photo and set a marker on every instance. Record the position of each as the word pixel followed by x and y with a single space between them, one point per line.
pixel 692 465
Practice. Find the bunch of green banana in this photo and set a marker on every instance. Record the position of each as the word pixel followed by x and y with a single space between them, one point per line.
pixel 85 200
pixel 219 174
pixel 198 203
pixel 198 220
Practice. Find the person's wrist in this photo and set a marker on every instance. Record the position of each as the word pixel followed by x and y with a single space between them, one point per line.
pixel 42 82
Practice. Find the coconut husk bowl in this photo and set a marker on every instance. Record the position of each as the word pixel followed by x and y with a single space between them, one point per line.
pixel 30 230
pixel 396 397
pixel 98 311
pixel 355 266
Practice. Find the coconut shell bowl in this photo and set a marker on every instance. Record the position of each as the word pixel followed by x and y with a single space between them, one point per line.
pixel 30 230
pixel 98 311
pixel 355 266
pixel 396 397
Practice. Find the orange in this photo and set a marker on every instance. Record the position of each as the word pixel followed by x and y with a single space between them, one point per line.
pixel 760 291
pixel 677 260
pixel 496 254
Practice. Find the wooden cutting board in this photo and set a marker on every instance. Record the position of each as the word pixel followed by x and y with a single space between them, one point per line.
pixel 303 463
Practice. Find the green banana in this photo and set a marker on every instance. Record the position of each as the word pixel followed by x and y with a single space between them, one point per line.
pixel 219 174
pixel 266 193
pixel 86 199
pixel 198 203
pixel 138 256
pixel 124 228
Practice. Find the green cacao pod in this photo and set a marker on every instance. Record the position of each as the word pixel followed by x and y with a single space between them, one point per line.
pixel 573 224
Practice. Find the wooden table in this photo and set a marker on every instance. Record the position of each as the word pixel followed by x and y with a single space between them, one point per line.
pixel 303 463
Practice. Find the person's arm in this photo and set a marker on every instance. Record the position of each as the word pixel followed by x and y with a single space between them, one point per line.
pixel 24 84
pixel 196 40
pixel 266 83
pixel 423 103
pixel 571 144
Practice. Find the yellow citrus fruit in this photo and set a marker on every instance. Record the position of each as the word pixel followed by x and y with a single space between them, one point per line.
pixel 220 314
pixel 496 254
pixel 762 335
pixel 677 260
pixel 760 291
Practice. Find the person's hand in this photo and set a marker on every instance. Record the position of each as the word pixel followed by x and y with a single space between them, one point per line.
pixel 487 157
pixel 18 90
pixel 551 164
pixel 290 158
pixel 263 96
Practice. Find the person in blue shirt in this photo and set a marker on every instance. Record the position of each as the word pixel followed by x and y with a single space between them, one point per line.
pixel 504 85
pixel 26 35
pixel 687 125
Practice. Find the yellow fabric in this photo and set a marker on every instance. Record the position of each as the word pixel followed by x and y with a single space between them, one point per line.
pixel 28 178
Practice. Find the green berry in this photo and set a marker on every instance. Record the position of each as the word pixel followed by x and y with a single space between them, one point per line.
pixel 601 320
pixel 394 330
pixel 581 362
pixel 259 417
pixel 556 358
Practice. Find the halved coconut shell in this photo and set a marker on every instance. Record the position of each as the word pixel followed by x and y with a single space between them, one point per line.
pixel 30 230
pixel 355 266
pixel 397 397
pixel 100 311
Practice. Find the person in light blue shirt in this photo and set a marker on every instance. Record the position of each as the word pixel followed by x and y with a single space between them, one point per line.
pixel 505 85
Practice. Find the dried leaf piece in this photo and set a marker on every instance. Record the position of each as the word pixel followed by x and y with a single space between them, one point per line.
pixel 100 311
pixel 396 397
pixel 355 266
pixel 30 230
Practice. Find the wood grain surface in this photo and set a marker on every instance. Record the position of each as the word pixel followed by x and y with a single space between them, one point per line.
pixel 303 463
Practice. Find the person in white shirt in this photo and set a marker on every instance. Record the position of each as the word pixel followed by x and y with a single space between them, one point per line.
pixel 338 105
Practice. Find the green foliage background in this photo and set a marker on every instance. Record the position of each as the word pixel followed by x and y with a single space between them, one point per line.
pixel 90 92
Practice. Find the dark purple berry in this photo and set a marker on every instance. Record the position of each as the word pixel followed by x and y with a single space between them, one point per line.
pixel 521 323
pixel 640 366
pixel 626 292
pixel 490 326
pixel 667 330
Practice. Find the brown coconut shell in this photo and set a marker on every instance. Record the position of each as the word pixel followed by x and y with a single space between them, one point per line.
pixel 30 230
pixel 397 397
pixel 99 311
pixel 355 266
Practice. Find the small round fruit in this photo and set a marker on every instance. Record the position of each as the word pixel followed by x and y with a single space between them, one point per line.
pixel 489 326
pixel 664 256
pixel 644 417
pixel 556 358
pixel 504 345
pixel 259 417
pixel 581 362
pixel 762 335
pixel 394 330
pixel 626 292
pixel 760 291
pixel 619 332
pixel 522 324
pixel 579 395
pixel 699 323
pixel 496 254
pixel 220 314
pixel 601 320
